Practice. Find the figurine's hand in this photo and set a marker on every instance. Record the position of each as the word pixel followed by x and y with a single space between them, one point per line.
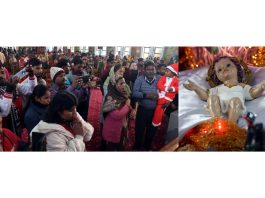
pixel 190 86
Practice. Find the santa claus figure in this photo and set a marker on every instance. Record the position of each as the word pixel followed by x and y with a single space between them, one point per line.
pixel 167 89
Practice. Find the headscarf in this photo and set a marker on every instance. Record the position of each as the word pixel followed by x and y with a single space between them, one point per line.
pixel 111 75
pixel 115 99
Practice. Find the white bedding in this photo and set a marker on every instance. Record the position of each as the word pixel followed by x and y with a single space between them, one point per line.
pixel 191 108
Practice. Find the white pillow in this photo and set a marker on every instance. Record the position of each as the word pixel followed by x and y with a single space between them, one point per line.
pixel 191 107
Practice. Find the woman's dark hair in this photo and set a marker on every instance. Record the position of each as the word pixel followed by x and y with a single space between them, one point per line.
pixel 240 71
pixel 39 91
pixel 63 100
pixel 117 67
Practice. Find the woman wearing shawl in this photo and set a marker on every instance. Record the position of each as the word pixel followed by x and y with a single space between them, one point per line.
pixel 116 70
pixel 116 109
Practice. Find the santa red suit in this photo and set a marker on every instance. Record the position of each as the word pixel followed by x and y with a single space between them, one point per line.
pixel 165 96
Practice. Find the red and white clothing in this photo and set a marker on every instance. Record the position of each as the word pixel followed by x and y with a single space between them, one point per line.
pixel 22 90
pixel 5 104
pixel 22 61
pixel 164 96
pixel 26 87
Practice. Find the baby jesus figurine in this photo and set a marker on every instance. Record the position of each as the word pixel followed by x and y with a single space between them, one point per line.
pixel 229 88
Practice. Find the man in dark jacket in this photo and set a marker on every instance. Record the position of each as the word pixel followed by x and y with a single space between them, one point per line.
pixel 145 91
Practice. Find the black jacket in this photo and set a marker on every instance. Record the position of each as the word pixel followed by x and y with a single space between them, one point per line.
pixel 33 115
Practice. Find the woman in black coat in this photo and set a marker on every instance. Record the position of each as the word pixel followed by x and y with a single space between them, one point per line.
pixel 40 100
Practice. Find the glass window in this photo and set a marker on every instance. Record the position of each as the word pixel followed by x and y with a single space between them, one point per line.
pixel 126 54
pixel 146 50
pixel 50 48
pixel 104 52
pixel 126 51
pixel 145 55
pixel 158 51
pixel 122 51
pixel 101 51
pixel 118 51
pixel 72 49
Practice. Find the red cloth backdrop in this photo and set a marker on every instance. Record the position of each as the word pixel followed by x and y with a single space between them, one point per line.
pixel 93 117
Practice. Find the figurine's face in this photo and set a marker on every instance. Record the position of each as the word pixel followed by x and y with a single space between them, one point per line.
pixel 225 70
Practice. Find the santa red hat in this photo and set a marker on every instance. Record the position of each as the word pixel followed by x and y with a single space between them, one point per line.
pixel 174 68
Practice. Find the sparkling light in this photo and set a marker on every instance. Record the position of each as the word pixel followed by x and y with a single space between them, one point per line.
pixel 251 55
pixel 218 133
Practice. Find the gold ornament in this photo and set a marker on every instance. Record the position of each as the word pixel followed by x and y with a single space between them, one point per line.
pixel 216 134
pixel 258 57
pixel 189 58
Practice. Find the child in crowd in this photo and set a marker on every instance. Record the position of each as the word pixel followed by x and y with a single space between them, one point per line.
pixel 167 89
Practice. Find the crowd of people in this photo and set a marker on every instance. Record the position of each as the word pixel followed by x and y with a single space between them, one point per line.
pixel 46 99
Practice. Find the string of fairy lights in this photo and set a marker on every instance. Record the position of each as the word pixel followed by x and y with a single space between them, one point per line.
pixel 195 57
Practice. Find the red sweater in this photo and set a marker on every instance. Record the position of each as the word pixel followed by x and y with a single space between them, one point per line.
pixel 112 126
pixel 9 140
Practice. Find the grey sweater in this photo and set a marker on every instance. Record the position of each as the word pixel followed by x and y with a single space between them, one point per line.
pixel 141 87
